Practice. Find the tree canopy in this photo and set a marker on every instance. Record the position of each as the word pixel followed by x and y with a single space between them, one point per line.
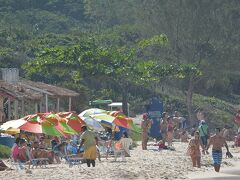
pixel 176 49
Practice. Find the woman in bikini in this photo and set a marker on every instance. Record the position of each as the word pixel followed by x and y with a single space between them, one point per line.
pixel 194 150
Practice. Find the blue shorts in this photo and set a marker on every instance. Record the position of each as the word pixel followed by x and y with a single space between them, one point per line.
pixel 217 157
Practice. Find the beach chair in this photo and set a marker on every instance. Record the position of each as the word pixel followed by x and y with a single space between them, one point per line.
pixel 73 160
pixel 13 164
pixel 16 164
pixel 41 162
pixel 35 162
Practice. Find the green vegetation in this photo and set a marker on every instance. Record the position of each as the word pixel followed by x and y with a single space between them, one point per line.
pixel 5 151
pixel 184 51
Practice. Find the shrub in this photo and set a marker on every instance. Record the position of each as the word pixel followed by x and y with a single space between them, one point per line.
pixel 5 151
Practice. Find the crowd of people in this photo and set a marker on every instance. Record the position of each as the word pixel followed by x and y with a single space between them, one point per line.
pixel 198 143
pixel 29 146
pixel 170 127
pixel 198 140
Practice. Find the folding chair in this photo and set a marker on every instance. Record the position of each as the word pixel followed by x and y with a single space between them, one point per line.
pixel 36 161
pixel 16 164
pixel 73 160
pixel 42 162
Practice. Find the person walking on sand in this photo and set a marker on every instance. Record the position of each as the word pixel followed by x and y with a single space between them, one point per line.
pixel 194 150
pixel 146 124
pixel 203 129
pixel 217 142
pixel 89 139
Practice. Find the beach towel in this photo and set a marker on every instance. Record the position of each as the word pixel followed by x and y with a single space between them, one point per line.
pixel 217 157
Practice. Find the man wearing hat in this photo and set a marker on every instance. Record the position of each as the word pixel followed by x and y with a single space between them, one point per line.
pixel 89 140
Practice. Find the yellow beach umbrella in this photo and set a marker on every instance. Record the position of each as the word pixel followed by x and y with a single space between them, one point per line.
pixel 12 131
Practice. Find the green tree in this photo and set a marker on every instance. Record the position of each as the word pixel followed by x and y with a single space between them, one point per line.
pixel 118 65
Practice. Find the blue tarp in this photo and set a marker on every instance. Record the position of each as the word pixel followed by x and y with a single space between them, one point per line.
pixel 7 141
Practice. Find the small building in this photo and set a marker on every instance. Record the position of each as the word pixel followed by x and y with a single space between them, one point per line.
pixel 17 93
pixel 118 106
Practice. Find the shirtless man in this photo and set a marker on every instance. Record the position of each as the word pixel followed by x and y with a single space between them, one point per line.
pixel 217 141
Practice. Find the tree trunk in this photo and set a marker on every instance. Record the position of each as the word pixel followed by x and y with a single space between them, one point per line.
pixel 189 100
pixel 125 101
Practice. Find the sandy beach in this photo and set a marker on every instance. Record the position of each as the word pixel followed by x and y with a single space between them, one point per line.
pixel 150 164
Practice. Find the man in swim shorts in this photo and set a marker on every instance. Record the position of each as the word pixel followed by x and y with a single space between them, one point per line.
pixel 217 141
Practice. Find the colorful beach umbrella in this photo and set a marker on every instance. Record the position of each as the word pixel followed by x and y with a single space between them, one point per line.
pixel 92 111
pixel 93 123
pixel 72 120
pixel 104 119
pixel 60 123
pixel 47 123
pixel 109 121
pixel 12 131
pixel 124 121
pixel 41 128
pixel 12 124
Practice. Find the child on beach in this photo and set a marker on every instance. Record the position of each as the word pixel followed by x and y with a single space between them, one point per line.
pixel 161 145
pixel 194 149
pixel 184 136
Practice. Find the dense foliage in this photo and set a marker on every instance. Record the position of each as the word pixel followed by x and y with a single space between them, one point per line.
pixel 5 151
pixel 180 50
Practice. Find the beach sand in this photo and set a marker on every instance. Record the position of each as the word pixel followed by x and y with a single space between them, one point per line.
pixel 149 164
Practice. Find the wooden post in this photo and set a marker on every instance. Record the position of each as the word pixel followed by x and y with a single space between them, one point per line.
pixel 15 109
pixel 36 107
pixel 1 109
pixel 70 103
pixel 41 103
pixel 9 109
pixel 22 107
pixel 46 103
pixel 58 104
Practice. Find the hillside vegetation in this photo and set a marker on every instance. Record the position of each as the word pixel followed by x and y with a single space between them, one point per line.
pixel 184 51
